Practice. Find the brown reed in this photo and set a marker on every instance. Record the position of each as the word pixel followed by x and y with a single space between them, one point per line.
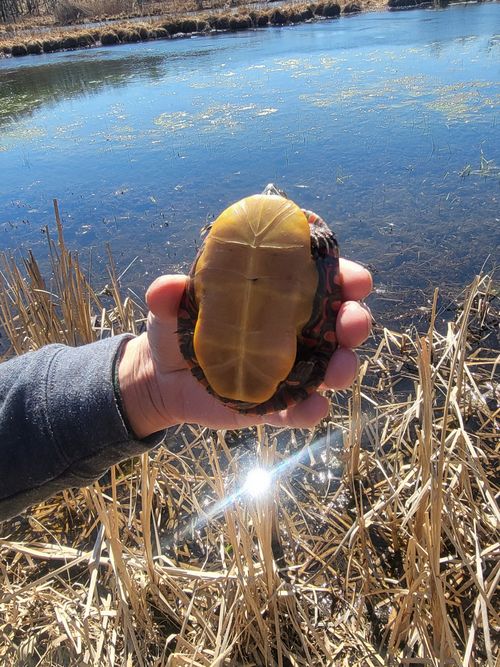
pixel 376 545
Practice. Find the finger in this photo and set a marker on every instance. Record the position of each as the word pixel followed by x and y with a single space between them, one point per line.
pixel 164 294
pixel 212 413
pixel 357 281
pixel 303 415
pixel 354 323
pixel 192 403
pixel 342 369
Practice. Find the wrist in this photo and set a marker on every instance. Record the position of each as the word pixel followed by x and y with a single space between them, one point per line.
pixel 140 396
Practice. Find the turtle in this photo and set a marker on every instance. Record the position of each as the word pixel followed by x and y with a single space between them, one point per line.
pixel 256 320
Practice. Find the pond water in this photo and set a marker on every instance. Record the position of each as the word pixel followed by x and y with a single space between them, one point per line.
pixel 386 124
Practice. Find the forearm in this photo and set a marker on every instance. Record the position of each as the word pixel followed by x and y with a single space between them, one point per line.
pixel 60 423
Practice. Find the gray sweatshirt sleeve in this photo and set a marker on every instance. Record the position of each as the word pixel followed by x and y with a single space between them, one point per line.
pixel 60 422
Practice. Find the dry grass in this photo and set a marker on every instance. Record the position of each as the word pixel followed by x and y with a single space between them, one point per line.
pixel 182 17
pixel 35 311
pixel 71 11
pixel 377 544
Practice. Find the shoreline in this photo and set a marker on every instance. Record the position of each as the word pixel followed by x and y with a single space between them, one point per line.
pixel 132 30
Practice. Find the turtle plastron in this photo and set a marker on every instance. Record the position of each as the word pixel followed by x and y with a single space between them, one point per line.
pixel 316 341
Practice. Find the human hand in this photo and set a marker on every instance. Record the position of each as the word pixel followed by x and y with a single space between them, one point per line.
pixel 158 389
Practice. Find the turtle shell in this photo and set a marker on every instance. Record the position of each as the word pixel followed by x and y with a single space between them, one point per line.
pixel 256 321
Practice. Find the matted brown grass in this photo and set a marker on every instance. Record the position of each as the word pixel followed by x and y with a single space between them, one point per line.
pixel 175 17
pixel 376 545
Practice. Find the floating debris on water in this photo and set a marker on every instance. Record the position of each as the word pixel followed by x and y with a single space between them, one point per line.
pixel 487 169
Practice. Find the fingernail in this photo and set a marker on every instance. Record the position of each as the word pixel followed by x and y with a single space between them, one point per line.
pixel 353 307
pixel 369 320
pixel 361 267
pixel 367 311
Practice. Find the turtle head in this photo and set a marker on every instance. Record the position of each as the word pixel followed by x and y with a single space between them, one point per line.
pixel 272 189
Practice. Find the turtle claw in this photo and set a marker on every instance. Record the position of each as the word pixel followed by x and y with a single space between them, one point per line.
pixel 272 189
pixel 206 228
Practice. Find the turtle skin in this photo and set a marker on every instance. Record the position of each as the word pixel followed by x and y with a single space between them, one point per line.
pixel 315 344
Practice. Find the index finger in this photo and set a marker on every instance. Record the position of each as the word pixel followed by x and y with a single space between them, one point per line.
pixel 357 281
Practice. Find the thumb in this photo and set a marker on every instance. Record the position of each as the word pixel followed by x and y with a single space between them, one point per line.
pixel 163 298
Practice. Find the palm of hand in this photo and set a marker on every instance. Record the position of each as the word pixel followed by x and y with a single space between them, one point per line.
pixel 178 397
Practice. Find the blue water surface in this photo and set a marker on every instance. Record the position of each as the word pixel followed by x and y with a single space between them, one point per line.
pixel 386 124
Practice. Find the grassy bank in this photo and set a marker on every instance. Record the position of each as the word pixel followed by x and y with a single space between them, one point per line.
pixel 377 544
pixel 23 40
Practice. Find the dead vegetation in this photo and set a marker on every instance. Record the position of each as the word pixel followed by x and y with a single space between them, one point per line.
pixel 377 543
pixel 177 21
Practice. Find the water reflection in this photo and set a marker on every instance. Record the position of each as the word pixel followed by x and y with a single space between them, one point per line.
pixel 28 89
pixel 315 464
pixel 386 124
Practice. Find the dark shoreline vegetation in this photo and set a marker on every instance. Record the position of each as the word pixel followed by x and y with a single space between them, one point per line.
pixel 190 24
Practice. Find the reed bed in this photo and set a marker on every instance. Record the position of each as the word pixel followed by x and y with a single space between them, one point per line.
pixel 175 23
pixel 376 542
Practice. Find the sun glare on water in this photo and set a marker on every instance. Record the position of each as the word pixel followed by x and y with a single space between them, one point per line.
pixel 258 482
